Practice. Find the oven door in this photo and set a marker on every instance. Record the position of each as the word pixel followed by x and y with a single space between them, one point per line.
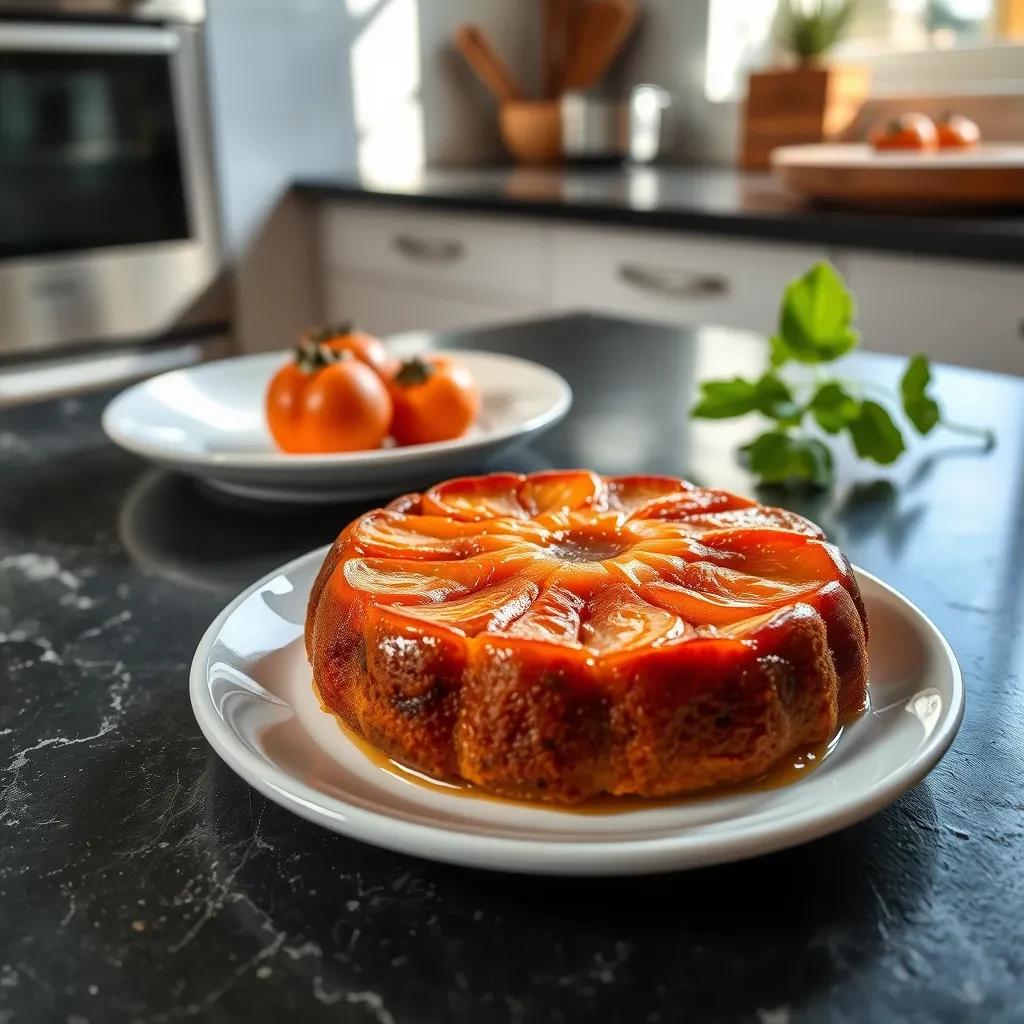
pixel 108 228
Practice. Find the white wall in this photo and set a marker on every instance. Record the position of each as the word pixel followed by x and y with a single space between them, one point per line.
pixel 281 100
pixel 317 87
pixel 281 107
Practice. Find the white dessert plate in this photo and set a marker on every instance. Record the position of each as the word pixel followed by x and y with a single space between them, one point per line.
pixel 253 697
pixel 207 421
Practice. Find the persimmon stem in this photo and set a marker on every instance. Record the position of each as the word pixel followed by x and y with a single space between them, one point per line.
pixel 311 356
pixel 414 371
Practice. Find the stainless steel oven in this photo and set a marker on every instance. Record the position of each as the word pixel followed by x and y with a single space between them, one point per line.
pixel 108 219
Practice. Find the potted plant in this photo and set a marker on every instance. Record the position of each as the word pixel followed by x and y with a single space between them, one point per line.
pixel 808 101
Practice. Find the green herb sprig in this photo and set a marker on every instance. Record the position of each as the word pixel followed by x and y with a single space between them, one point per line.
pixel 816 329
pixel 810 28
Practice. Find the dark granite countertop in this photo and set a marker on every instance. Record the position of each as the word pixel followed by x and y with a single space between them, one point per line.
pixel 141 881
pixel 703 200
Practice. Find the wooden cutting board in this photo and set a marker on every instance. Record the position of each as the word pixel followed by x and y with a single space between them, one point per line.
pixel 991 175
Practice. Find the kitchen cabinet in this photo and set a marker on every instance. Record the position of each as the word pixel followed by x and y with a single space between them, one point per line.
pixel 385 305
pixel 954 312
pixel 396 268
pixel 674 278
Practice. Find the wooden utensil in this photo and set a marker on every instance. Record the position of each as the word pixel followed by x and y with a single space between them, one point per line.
pixel 554 44
pixel 489 67
pixel 532 130
pixel 604 27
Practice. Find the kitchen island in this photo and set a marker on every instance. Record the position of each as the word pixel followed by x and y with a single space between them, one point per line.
pixel 141 881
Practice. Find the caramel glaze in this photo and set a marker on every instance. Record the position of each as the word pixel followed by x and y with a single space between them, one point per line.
pixel 797 765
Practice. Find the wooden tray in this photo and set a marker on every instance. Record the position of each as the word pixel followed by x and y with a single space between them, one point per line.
pixel 992 175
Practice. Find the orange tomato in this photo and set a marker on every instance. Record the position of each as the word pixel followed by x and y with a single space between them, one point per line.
pixel 434 399
pixel 908 131
pixel 957 132
pixel 327 401
pixel 343 338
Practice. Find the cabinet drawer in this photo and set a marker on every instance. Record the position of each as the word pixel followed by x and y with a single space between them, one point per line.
pixel 491 255
pixel 382 308
pixel 954 312
pixel 690 279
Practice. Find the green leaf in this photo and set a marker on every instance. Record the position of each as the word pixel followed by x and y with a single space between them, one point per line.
pixel 720 399
pixel 874 434
pixel 773 398
pixel 921 410
pixel 778 458
pixel 833 407
pixel 816 316
pixel 778 352
pixel 812 30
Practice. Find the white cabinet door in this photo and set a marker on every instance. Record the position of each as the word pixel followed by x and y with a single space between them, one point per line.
pixel 469 256
pixel 381 307
pixel 675 277
pixel 966 313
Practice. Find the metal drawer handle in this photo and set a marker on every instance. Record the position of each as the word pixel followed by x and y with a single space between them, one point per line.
pixel 672 283
pixel 426 250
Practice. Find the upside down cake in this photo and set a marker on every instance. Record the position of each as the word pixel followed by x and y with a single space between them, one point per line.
pixel 561 635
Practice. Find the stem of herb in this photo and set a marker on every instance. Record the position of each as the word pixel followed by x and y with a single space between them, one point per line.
pixel 986 435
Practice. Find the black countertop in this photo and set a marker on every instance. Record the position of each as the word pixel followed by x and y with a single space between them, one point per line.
pixel 140 880
pixel 702 200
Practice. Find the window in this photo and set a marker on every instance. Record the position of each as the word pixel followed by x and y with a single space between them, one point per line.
pixel 741 36
pixel 922 24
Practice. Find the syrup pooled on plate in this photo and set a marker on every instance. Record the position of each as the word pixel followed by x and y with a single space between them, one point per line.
pixel 797 765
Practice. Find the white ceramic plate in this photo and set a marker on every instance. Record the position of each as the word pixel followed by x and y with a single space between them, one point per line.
pixel 208 421
pixel 252 695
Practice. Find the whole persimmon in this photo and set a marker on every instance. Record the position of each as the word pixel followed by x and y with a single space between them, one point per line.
pixel 343 337
pixel 907 131
pixel 327 400
pixel 434 398
pixel 957 132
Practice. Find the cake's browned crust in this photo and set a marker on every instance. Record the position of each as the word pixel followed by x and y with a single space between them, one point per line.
pixel 561 635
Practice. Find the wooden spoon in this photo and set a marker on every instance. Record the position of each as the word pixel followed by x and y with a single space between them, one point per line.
pixel 489 67
pixel 554 44
pixel 604 27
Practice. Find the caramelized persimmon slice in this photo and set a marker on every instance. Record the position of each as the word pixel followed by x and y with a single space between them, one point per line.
pixel 476 497
pixel 702 592
pixel 396 535
pixel 628 493
pixel 601 531
pixel 777 555
pixel 553 618
pixel 666 534
pixel 491 609
pixel 406 580
pixel 752 517
pixel 409 581
pixel 713 596
pixel 617 619
pixel 557 490
pixel 681 507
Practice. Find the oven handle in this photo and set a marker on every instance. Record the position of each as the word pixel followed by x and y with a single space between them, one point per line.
pixel 36 37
